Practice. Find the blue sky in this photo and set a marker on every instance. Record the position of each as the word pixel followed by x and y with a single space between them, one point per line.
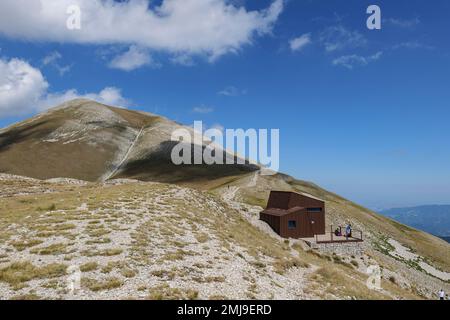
pixel 364 113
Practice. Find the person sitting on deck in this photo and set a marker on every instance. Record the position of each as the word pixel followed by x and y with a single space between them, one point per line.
pixel 348 231
pixel 338 232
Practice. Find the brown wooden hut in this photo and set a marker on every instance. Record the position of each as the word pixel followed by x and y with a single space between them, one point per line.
pixel 294 215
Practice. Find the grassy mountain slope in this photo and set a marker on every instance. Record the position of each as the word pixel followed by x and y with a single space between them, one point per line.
pixel 144 240
pixel 254 189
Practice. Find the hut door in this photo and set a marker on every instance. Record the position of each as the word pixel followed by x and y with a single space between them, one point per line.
pixel 314 223
pixel 314 217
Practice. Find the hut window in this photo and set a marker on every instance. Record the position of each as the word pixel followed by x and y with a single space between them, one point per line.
pixel 292 224
pixel 314 209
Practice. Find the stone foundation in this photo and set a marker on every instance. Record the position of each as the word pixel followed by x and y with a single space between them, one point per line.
pixel 340 248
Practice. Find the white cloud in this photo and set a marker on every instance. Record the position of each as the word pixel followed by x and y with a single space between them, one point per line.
pixel 52 60
pixel 351 61
pixel 403 23
pixel 195 27
pixel 110 96
pixel 219 127
pixel 203 110
pixel 412 45
pixel 133 59
pixel 21 87
pixel 232 91
pixel 299 43
pixel 337 38
pixel 24 90
pixel 183 60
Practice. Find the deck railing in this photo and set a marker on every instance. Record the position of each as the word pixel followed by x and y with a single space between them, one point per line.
pixel 343 238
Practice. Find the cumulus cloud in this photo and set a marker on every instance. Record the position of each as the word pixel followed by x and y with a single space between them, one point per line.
pixel 24 90
pixel 351 61
pixel 299 43
pixel 195 27
pixel 133 59
pixel 110 96
pixel 21 87
pixel 338 37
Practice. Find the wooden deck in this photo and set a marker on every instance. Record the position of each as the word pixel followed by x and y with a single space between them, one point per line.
pixel 330 237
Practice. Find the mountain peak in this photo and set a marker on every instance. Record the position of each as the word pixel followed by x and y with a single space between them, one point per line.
pixel 87 140
pixel 77 103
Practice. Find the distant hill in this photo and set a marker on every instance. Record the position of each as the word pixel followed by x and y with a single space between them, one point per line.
pixel 434 219
pixel 446 239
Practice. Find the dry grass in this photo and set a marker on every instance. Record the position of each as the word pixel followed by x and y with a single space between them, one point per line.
pixel 128 273
pixel 165 292
pixel 90 266
pixel 104 252
pixel 19 272
pixel 29 296
pixel 54 249
pixel 283 265
pixel 25 244
pixel 97 285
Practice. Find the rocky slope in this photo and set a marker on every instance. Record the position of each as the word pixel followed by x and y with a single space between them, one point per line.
pixel 143 240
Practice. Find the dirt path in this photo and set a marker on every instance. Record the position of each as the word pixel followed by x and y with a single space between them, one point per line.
pixel 254 180
pixel 130 148
pixel 230 193
pixel 406 254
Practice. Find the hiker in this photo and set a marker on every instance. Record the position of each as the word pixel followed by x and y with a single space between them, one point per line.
pixel 348 231
pixel 441 295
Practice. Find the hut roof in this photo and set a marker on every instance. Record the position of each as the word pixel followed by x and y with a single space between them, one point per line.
pixel 281 212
